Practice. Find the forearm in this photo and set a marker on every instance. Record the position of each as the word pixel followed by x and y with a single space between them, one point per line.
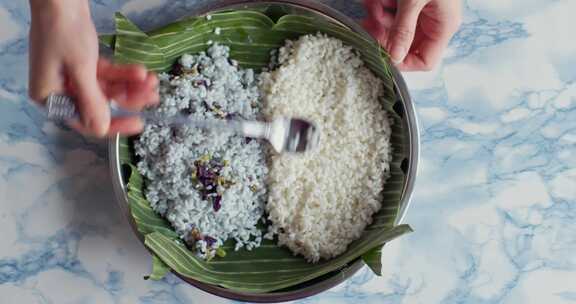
pixel 59 7
pixel 53 22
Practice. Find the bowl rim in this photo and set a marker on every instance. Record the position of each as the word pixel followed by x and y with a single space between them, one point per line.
pixel 413 137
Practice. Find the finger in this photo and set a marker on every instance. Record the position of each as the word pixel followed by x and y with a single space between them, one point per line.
pixel 126 126
pixel 425 56
pixel 114 90
pixel 379 32
pixel 413 63
pixel 384 4
pixel 45 77
pixel 126 72
pixel 77 126
pixel 80 128
pixel 382 11
pixel 135 96
pixel 403 29
pixel 120 72
pixel 92 104
pixel 145 94
pixel 374 9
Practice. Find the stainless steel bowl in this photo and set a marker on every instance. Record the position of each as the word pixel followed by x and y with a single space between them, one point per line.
pixel 403 107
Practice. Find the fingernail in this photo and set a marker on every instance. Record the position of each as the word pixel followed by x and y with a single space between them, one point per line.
pixel 397 54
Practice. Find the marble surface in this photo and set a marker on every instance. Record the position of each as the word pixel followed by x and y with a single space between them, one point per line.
pixel 494 208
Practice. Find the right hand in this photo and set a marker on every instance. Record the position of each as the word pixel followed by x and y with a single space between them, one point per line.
pixel 415 32
pixel 64 59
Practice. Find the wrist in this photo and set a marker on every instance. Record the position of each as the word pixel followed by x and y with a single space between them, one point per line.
pixel 36 5
pixel 48 10
pixel 54 6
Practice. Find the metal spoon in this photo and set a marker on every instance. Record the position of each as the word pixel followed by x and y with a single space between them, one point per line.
pixel 284 134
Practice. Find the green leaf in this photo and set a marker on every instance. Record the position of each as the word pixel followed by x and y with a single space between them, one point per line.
pixel 373 259
pixel 266 269
pixel 159 269
pixel 221 252
pixel 134 46
pixel 107 40
pixel 251 35
pixel 125 152
pixel 146 219
pixel 125 27
pixel 275 12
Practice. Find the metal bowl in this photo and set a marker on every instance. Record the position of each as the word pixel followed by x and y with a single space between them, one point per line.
pixel 403 107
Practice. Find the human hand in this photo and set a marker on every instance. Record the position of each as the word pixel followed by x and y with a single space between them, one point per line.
pixel 64 59
pixel 415 32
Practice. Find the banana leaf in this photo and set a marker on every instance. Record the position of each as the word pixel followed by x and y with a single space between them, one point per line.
pixel 159 269
pixel 251 35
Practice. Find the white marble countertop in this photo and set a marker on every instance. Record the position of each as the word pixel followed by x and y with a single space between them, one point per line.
pixel 494 210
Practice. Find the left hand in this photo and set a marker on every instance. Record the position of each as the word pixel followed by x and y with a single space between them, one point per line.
pixel 64 59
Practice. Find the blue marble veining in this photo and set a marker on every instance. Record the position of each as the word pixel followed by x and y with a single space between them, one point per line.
pixel 494 207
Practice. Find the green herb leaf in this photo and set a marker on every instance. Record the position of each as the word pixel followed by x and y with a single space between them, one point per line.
pixel 220 252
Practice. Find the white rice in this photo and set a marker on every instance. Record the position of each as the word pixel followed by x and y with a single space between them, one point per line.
pixel 321 202
pixel 214 87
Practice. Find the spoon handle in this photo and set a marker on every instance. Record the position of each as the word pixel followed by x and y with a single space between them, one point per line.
pixel 63 108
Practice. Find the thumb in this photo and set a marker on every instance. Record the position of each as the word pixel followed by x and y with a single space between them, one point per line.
pixel 404 28
pixel 92 104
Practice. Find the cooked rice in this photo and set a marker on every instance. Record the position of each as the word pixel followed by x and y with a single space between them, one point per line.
pixel 320 202
pixel 212 87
